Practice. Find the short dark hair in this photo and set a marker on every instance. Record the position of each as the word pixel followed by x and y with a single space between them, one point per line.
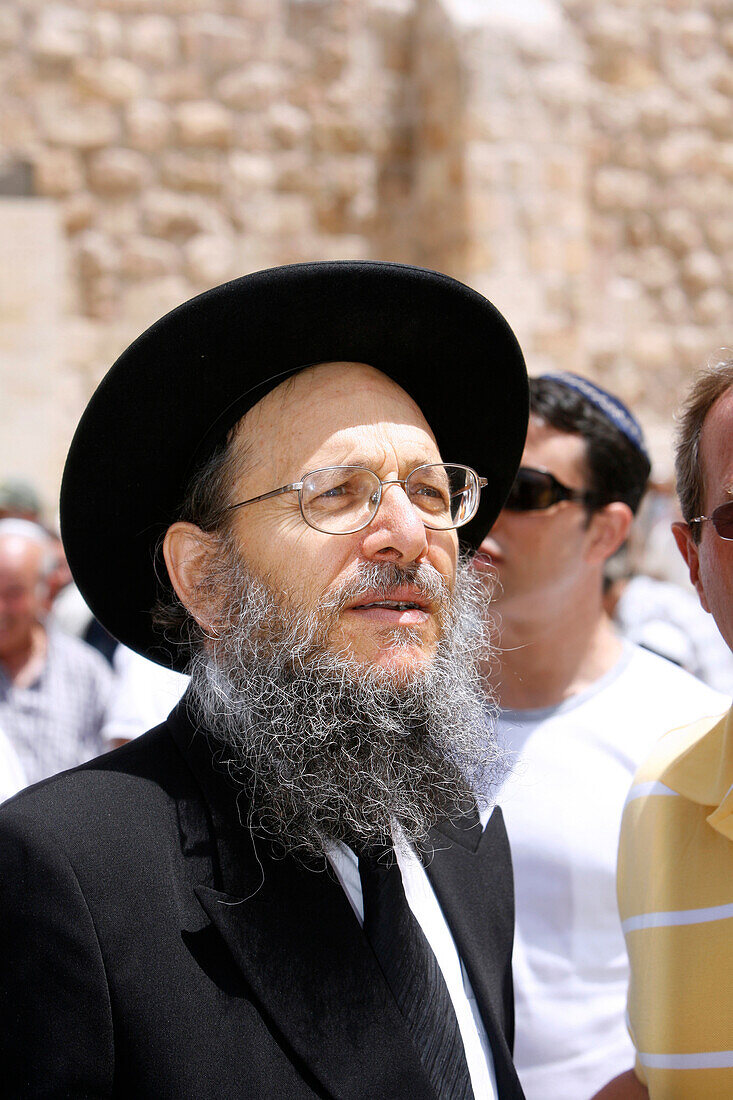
pixel 617 468
pixel 710 384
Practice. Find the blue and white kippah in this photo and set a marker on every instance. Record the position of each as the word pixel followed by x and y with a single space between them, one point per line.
pixel 611 407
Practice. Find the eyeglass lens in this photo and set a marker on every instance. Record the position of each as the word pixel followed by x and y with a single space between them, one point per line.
pixel 343 499
pixel 722 520
pixel 533 490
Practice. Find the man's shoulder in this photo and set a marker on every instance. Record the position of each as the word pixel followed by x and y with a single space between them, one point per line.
pixel 666 686
pixel 116 793
pixel 678 745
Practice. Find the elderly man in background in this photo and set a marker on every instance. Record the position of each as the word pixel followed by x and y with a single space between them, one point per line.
pixel 581 708
pixel 675 869
pixel 53 688
pixel 286 889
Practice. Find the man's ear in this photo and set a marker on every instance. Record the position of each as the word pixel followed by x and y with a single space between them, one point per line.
pixel 187 551
pixel 609 529
pixel 688 549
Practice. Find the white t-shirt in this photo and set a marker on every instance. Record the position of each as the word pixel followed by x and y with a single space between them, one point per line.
pixel 143 695
pixel 562 805
pixel 12 776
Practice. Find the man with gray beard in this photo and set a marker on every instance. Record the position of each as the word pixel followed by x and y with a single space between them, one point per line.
pixel 287 889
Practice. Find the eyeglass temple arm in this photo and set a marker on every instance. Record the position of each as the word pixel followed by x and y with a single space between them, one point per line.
pixel 294 487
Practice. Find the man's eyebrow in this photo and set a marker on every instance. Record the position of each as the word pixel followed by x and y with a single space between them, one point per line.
pixel 349 458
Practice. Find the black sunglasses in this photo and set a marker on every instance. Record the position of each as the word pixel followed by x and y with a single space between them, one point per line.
pixel 535 490
pixel 721 519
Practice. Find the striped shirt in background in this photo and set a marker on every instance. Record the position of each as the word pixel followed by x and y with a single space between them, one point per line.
pixel 56 722
pixel 675 884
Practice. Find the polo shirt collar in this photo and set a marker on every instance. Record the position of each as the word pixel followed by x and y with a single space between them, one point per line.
pixel 703 773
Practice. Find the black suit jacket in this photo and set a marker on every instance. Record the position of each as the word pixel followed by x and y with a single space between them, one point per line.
pixel 149 947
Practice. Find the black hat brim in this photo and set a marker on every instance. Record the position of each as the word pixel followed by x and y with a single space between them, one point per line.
pixel 176 391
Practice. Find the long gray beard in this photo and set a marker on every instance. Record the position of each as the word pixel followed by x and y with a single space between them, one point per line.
pixel 327 748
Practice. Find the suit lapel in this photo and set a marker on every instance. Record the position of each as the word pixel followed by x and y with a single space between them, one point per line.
pixel 294 936
pixel 472 877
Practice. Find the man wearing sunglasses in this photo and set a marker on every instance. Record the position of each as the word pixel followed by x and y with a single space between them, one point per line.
pixel 581 709
pixel 286 889
pixel 676 851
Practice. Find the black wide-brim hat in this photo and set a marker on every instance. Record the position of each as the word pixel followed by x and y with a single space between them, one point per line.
pixel 176 391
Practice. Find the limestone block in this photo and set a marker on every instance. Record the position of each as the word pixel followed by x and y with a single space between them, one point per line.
pixel 148 257
pixel 276 215
pixel 675 304
pixel 179 83
pixel 192 172
pixel 335 133
pixel 118 170
pixel 178 216
pixel 79 125
pixel 60 36
pixel 11 28
pixel 113 79
pixel 713 307
pixel 148 124
pixel 725 159
pixel 723 82
pixel 57 172
pixel 657 111
pixel 251 88
pixel 719 229
pixel 718 114
pixel 651 350
pixel 253 171
pixel 81 343
pixel 696 33
pixel 105 35
pixel 18 128
pixel 101 297
pixel 217 42
pixel 726 35
pixel 97 254
pixel 680 231
pixel 290 126
pixel 204 123
pixel 153 40
pixel 621 189
pixel 655 267
pixel 685 151
pixel 701 270
pixel 208 259
pixel 641 229
pixel 78 212
pixel 692 345
pixel 144 301
pixel 119 215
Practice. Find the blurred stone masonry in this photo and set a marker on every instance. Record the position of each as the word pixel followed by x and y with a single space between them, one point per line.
pixel 571 160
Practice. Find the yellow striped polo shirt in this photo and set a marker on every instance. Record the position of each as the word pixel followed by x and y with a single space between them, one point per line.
pixel 675 887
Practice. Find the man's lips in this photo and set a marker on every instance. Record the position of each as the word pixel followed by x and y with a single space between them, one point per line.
pixel 400 607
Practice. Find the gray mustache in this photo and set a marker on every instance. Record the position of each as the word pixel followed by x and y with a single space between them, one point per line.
pixel 384 577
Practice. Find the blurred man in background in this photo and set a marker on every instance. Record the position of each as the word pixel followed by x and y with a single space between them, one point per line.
pixel 53 688
pixel 676 853
pixel 581 708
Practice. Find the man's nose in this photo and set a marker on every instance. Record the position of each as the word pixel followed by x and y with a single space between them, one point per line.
pixel 397 532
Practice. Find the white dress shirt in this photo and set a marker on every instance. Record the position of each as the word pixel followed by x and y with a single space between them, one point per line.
pixel 426 910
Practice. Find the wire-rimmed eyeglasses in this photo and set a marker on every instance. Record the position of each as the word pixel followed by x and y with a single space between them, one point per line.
pixel 721 519
pixel 339 500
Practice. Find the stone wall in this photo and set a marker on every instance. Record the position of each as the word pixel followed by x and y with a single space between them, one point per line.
pixel 573 161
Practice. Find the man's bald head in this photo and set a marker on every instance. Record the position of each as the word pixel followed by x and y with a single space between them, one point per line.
pixel 25 561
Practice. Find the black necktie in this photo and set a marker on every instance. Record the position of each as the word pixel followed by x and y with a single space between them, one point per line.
pixel 413 975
